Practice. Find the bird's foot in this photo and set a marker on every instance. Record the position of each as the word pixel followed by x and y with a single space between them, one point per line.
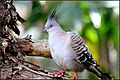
pixel 74 77
pixel 60 72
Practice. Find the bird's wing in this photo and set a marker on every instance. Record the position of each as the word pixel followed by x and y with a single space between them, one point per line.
pixel 84 57
pixel 80 48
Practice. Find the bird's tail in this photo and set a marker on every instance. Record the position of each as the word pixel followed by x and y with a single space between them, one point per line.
pixel 100 74
pixel 105 76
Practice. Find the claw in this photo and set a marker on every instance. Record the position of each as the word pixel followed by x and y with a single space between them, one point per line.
pixel 60 72
pixel 74 77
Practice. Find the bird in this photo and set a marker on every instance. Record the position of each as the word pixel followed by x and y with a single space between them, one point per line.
pixel 69 50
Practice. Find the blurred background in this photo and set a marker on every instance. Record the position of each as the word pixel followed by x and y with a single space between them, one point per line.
pixel 96 21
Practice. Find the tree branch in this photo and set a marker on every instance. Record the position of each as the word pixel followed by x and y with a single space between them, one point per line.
pixel 34 47
pixel 27 70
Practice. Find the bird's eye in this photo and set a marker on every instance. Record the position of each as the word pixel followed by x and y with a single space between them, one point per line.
pixel 51 25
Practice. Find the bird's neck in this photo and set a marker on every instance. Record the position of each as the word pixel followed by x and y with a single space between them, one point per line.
pixel 57 32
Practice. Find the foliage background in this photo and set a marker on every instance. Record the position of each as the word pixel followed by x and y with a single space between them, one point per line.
pixel 96 21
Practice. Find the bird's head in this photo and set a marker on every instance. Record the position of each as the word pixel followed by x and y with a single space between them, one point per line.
pixel 51 24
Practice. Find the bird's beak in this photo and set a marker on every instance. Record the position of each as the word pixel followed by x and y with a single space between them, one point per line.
pixel 44 30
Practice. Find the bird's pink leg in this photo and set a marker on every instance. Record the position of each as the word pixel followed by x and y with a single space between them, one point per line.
pixel 74 77
pixel 60 72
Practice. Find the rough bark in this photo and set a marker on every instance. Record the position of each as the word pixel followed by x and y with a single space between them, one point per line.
pixel 13 50
pixel 28 71
pixel 34 47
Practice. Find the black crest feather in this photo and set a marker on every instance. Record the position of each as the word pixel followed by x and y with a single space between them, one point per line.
pixel 52 15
